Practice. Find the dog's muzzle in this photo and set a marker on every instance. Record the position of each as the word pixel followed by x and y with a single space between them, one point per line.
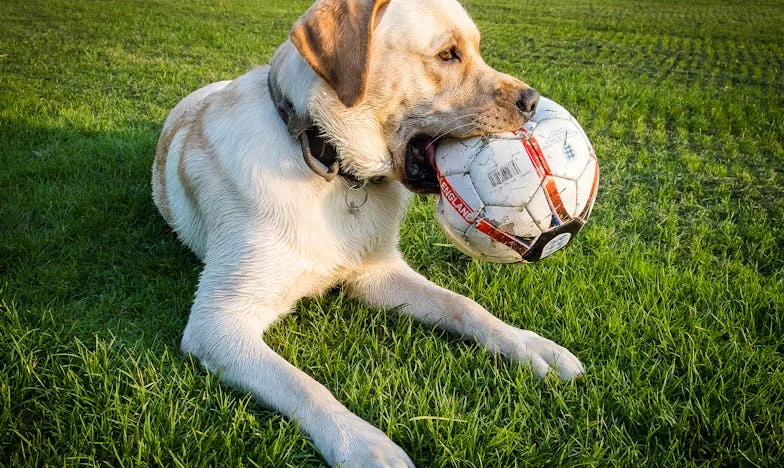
pixel 527 102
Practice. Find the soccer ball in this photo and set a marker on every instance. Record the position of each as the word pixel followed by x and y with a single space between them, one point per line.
pixel 518 197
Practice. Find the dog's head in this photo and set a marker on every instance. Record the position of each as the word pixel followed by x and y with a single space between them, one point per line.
pixel 395 76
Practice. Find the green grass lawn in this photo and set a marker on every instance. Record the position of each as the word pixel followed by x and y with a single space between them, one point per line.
pixel 673 295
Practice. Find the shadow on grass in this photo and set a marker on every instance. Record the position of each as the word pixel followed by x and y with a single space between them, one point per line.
pixel 82 238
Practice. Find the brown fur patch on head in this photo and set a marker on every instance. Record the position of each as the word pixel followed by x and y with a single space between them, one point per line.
pixel 334 37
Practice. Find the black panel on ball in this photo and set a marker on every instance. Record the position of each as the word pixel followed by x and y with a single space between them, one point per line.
pixel 571 228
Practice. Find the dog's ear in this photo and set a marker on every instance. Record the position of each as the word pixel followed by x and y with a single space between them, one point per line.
pixel 334 37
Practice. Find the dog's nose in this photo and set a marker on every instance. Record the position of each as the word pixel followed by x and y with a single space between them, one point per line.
pixel 527 102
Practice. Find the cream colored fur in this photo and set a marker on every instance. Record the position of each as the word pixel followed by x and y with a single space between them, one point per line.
pixel 232 183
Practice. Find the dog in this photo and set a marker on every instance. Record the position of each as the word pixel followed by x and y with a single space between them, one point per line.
pixel 295 177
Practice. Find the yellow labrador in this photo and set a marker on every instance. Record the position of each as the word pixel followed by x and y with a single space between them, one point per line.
pixel 243 174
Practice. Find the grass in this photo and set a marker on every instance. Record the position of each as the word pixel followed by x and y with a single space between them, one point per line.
pixel 673 295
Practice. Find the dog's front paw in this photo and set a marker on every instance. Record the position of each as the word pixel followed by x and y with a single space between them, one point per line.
pixel 372 455
pixel 543 354
pixel 362 445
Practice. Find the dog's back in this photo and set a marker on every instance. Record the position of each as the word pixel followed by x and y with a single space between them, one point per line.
pixel 168 189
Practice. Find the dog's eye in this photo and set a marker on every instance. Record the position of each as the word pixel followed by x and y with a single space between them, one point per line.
pixel 448 55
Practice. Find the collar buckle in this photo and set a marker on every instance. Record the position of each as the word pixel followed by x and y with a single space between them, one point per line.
pixel 319 155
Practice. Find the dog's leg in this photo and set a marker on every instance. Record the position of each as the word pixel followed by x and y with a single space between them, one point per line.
pixel 225 331
pixel 392 283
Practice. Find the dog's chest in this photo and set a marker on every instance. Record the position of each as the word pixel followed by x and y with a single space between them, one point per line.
pixel 364 221
pixel 323 240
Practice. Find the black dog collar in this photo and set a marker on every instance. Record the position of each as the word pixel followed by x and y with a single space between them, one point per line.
pixel 320 156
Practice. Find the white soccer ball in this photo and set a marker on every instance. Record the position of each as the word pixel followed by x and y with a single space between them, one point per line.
pixel 518 197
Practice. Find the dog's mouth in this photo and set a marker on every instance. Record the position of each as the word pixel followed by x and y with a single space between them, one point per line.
pixel 419 171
